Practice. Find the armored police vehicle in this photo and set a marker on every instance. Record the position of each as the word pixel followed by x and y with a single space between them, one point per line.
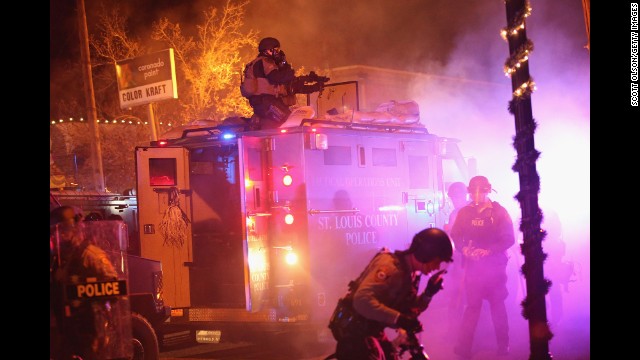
pixel 260 231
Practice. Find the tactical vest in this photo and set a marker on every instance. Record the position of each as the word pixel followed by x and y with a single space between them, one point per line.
pixel 251 85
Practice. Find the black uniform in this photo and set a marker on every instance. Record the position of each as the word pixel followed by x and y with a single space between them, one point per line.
pixel 484 233
pixel 387 289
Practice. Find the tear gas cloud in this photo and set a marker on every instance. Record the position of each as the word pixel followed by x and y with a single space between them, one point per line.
pixel 464 43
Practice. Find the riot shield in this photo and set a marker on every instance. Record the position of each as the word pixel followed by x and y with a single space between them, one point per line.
pixel 89 300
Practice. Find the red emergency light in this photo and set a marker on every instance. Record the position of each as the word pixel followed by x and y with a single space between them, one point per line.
pixel 288 219
pixel 287 180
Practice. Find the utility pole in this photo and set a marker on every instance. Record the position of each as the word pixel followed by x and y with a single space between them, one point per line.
pixel 517 66
pixel 586 7
pixel 96 152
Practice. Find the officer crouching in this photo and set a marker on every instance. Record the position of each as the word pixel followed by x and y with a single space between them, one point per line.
pixel 386 295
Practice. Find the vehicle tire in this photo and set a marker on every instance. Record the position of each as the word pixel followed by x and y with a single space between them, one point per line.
pixel 145 341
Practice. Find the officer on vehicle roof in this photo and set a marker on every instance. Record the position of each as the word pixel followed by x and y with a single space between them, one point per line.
pixel 270 84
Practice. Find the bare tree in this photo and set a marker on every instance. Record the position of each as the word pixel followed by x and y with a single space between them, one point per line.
pixel 211 64
pixel 112 43
pixel 209 69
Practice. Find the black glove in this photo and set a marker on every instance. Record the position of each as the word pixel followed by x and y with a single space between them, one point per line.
pixel 435 283
pixel 285 66
pixel 409 323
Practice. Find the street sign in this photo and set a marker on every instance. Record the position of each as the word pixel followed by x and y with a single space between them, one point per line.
pixel 146 79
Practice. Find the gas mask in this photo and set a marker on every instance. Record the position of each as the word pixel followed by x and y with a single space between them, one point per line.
pixel 478 195
pixel 279 57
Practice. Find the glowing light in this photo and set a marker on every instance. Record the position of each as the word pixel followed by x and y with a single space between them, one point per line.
pixel 257 260
pixel 288 219
pixel 283 131
pixel 291 258
pixel 526 88
pixel 287 180
pixel 521 56
pixel 228 136
pixel 519 20
pixel 390 208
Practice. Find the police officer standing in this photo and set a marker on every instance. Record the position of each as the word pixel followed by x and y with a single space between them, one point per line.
pixel 91 327
pixel 386 295
pixel 483 232
pixel 270 84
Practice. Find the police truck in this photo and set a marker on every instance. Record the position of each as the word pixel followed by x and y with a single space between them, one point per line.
pixel 260 231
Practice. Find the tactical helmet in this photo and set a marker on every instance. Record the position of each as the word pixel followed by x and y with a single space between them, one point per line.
pixel 432 243
pixel 268 43
pixel 93 216
pixel 457 188
pixel 479 182
pixel 64 214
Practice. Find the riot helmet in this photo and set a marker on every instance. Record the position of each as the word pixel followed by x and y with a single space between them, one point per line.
pixel 457 192
pixel 457 189
pixel 64 214
pixel 432 243
pixel 479 183
pixel 268 43
pixel 93 216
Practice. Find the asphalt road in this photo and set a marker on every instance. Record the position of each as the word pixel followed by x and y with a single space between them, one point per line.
pixel 243 351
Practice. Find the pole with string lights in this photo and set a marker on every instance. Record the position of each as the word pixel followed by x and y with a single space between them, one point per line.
pixel 517 67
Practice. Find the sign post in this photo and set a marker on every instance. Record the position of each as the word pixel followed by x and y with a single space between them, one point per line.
pixel 147 79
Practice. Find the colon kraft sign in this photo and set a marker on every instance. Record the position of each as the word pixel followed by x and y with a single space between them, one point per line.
pixel 146 79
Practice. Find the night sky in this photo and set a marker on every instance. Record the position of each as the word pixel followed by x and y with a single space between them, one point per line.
pixel 414 35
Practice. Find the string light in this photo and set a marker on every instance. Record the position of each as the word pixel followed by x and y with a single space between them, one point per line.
pixel 516 60
pixel 520 55
pixel 525 89
pixel 519 21
pixel 106 121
